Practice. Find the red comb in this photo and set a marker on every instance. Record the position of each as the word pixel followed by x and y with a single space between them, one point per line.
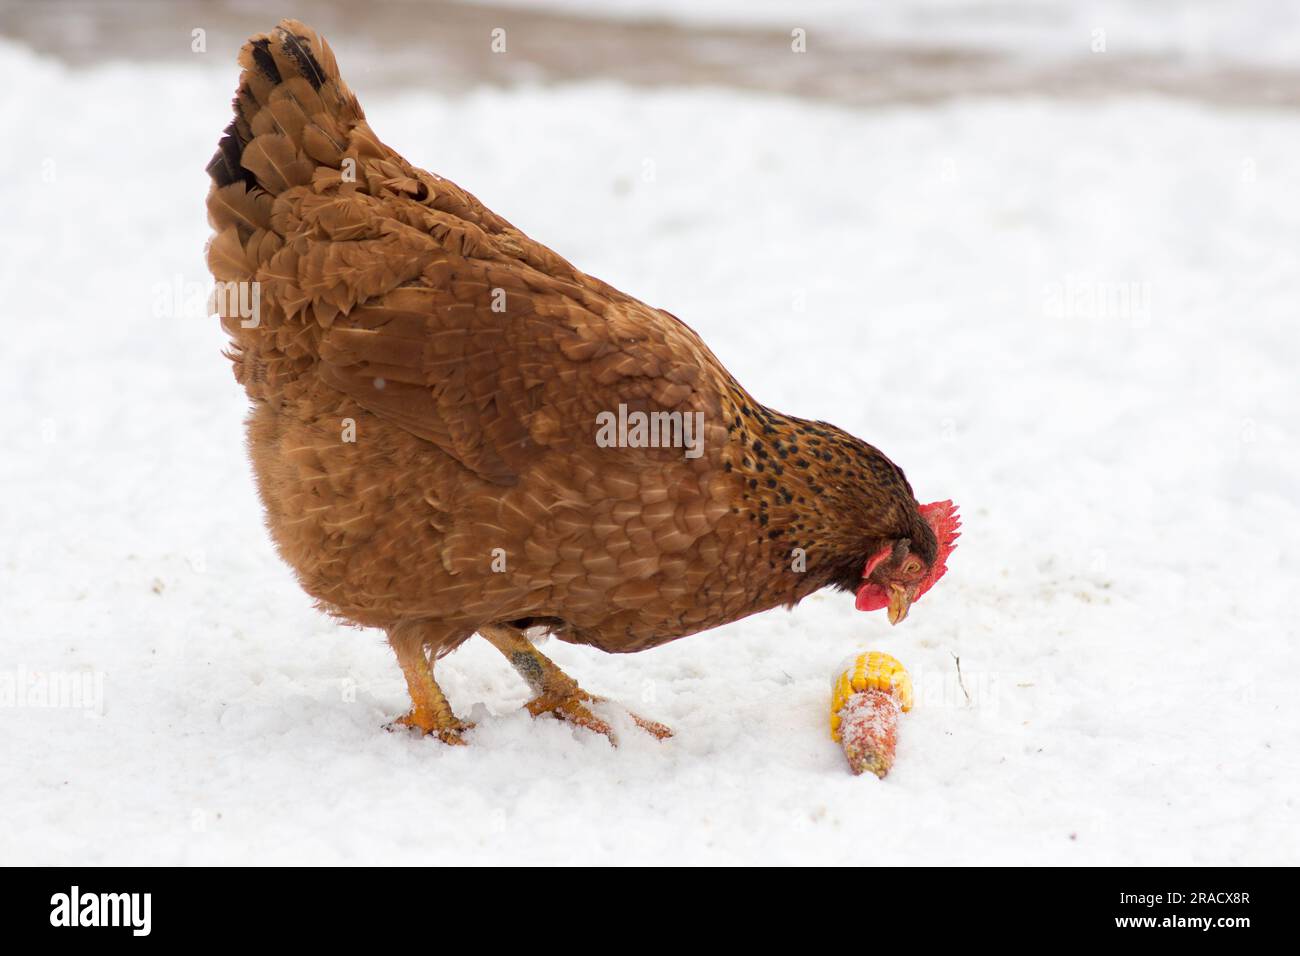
pixel 944 521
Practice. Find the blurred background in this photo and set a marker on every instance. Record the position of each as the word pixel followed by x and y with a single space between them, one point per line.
pixel 862 51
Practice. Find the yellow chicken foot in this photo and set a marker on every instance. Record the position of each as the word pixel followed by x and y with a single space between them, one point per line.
pixel 430 712
pixel 557 692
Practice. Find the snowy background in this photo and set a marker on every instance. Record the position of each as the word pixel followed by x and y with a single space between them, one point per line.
pixel 1073 311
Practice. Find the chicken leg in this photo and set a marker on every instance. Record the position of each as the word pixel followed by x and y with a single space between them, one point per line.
pixel 557 692
pixel 430 712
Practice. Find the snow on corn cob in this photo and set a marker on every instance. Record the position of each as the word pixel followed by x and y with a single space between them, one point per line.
pixel 867 696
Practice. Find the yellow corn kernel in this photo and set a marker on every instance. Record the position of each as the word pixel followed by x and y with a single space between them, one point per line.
pixel 871 671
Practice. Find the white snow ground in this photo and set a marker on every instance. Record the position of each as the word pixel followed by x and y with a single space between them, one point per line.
pixel 1122 600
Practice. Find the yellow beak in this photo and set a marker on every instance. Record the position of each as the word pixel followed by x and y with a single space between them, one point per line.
pixel 900 600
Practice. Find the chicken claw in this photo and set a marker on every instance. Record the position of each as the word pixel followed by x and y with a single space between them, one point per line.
pixel 652 727
pixel 574 709
pixel 430 713
pixel 557 692
pixel 428 725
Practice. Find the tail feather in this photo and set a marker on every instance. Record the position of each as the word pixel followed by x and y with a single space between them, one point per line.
pixel 312 214
pixel 292 112
pixel 293 115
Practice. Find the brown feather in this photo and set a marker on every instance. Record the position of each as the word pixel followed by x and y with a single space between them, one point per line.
pixel 473 363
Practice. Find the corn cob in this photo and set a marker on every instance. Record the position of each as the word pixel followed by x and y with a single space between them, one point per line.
pixel 866 699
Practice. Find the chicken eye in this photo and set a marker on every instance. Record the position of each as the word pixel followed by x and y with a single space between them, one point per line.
pixel 912 567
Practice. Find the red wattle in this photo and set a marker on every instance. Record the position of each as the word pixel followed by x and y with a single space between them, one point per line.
pixel 871 597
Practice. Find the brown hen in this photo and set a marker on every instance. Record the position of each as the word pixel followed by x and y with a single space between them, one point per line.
pixel 455 431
